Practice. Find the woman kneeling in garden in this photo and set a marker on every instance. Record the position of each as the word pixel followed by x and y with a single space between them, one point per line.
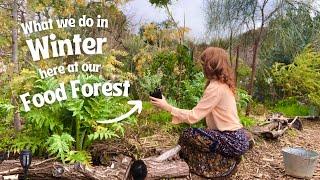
pixel 224 134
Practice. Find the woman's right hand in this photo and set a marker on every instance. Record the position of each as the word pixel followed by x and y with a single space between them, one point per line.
pixel 161 103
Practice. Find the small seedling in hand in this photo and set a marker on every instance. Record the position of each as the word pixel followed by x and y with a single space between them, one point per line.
pixel 152 84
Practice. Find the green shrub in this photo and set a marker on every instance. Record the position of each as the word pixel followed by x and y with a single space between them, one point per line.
pixel 181 78
pixel 291 107
pixel 242 98
pixel 192 91
pixel 147 106
pixel 5 110
pixel 301 78
pixel 243 73
pixel 6 133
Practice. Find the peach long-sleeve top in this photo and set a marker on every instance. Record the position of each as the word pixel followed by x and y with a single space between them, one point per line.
pixel 217 105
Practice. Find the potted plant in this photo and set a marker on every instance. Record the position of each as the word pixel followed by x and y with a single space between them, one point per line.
pixel 152 83
pixel 156 93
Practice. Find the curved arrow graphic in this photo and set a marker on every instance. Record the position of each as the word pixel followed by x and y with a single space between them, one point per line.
pixel 137 107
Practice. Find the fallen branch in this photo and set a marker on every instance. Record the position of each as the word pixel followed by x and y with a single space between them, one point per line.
pixel 44 161
pixel 292 122
pixel 276 126
pixel 310 117
pixel 165 155
pixel 10 171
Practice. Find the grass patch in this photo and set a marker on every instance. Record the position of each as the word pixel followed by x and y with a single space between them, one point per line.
pixel 161 116
pixel 147 106
pixel 291 107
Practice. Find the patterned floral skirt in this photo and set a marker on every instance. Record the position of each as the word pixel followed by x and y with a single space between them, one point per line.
pixel 212 153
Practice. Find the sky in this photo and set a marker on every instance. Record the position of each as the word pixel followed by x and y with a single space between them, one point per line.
pixel 141 12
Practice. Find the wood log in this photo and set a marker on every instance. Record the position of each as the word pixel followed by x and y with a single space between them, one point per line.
pixel 118 170
pixel 159 167
pixel 18 169
pixel 45 171
pixel 274 134
pixel 52 170
pixel 272 125
pixel 168 169
pixel 292 122
pixel 275 122
pixel 265 128
pixel 121 169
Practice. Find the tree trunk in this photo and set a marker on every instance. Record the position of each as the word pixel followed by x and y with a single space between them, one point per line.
pixel 16 118
pixel 237 66
pixel 253 74
pixel 230 48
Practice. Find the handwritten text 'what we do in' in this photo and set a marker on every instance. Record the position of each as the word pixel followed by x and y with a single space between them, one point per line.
pixel 49 47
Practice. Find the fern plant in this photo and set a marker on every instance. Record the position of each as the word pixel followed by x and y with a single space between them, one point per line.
pixel 86 110
pixel 60 145
pixel 102 133
pixel 82 157
pixel 66 129
pixel 35 142
pixel 5 109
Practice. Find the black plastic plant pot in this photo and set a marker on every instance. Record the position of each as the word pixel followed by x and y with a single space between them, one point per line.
pixel 156 93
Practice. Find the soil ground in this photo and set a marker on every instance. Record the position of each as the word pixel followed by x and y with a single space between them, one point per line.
pixel 265 160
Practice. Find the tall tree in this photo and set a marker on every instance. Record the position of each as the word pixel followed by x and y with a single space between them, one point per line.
pixel 264 12
pixel 289 34
pixel 15 62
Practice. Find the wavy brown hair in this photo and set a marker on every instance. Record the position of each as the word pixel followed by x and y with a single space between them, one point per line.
pixel 215 65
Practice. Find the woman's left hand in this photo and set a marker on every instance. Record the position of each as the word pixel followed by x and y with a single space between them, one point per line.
pixel 161 103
